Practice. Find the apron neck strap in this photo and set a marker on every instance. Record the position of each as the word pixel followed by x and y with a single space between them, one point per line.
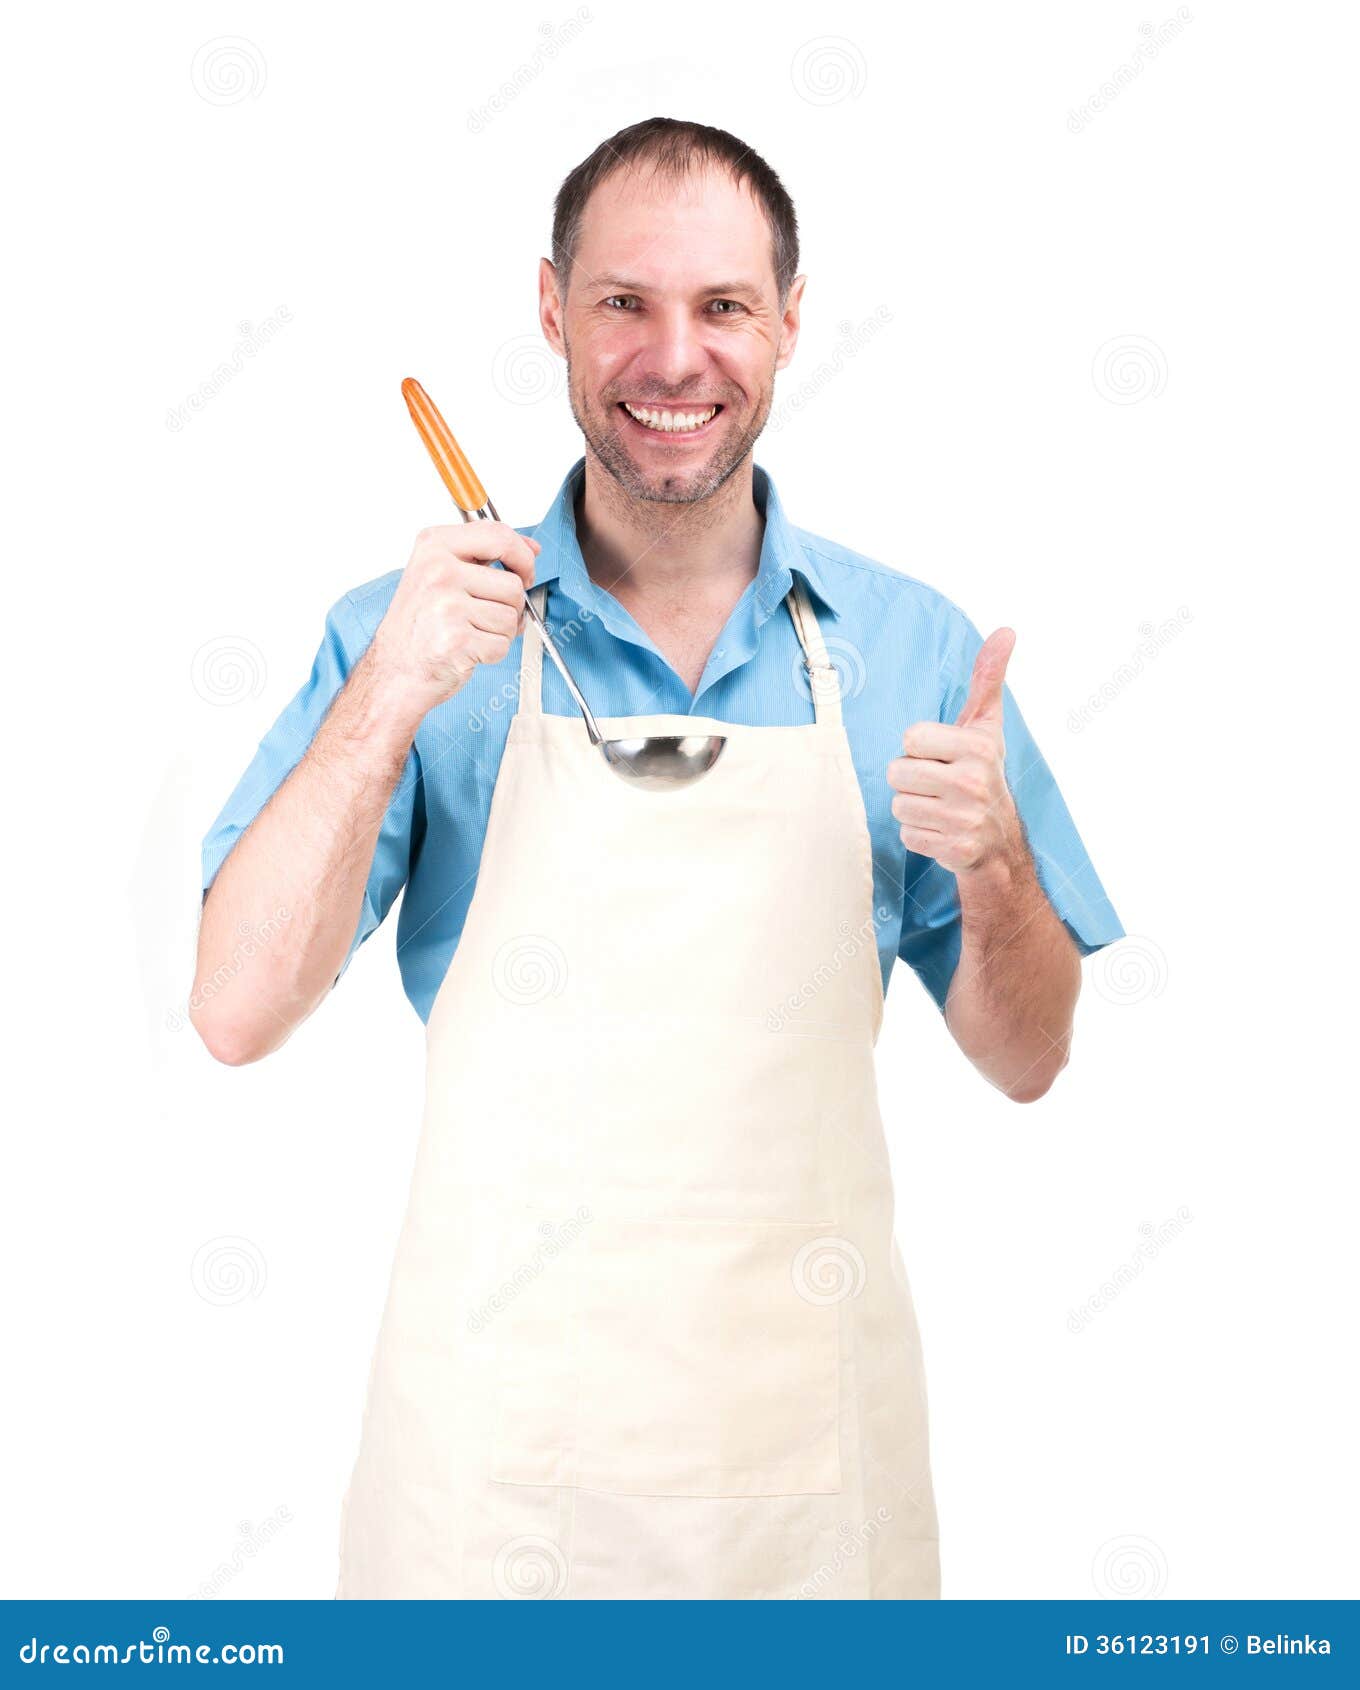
pixel 823 680
pixel 531 658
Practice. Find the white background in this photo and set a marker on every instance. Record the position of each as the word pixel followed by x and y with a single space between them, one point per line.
pixel 167 587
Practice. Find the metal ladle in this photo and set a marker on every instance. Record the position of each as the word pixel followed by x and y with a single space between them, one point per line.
pixel 656 762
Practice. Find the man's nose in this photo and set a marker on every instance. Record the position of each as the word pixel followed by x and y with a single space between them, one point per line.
pixel 675 350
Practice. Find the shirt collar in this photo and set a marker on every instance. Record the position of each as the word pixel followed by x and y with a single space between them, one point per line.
pixel 782 553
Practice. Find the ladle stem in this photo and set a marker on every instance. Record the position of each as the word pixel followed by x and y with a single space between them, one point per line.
pixel 487 513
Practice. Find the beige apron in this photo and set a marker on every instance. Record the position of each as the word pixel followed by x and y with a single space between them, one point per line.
pixel 648 1332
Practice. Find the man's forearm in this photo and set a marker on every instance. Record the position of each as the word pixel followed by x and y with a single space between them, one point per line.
pixel 282 912
pixel 1015 988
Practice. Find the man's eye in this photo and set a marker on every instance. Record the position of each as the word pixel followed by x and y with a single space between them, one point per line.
pixel 728 306
pixel 620 299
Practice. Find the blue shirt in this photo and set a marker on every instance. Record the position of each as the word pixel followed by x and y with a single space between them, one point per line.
pixel 904 652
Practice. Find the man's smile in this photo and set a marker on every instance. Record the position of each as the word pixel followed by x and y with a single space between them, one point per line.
pixel 657 420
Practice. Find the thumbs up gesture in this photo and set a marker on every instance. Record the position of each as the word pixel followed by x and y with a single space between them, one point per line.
pixel 952 798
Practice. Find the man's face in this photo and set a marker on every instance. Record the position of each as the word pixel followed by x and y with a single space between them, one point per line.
pixel 671 307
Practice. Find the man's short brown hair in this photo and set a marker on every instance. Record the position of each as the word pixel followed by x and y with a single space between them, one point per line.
pixel 671 148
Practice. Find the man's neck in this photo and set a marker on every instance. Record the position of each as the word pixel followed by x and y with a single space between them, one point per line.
pixel 646 552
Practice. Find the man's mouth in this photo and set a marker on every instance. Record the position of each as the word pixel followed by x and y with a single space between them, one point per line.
pixel 656 420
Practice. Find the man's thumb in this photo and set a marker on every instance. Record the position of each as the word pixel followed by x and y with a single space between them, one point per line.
pixel 984 702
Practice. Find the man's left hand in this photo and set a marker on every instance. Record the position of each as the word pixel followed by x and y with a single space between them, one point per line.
pixel 953 801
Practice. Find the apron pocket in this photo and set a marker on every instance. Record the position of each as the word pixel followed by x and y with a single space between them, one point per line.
pixel 662 1357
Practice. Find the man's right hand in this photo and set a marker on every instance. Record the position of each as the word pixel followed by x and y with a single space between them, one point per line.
pixel 452 611
pixel 310 849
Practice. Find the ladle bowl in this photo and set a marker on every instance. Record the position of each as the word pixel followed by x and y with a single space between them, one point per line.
pixel 663 762
pixel 652 763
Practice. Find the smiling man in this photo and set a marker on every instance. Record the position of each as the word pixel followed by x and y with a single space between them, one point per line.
pixel 649 1332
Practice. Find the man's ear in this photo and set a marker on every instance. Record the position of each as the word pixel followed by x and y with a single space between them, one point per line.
pixel 789 322
pixel 551 307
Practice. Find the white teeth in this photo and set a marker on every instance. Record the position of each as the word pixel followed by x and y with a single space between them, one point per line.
pixel 670 422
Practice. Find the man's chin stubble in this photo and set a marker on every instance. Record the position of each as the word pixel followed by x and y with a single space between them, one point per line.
pixel 664 489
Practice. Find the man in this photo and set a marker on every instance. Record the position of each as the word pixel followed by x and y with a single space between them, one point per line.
pixel 648 1332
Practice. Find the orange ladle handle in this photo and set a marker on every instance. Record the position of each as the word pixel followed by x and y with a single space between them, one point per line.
pixel 456 472
pixel 469 495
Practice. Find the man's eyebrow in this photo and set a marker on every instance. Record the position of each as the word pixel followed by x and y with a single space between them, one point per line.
pixel 724 290
pixel 735 290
